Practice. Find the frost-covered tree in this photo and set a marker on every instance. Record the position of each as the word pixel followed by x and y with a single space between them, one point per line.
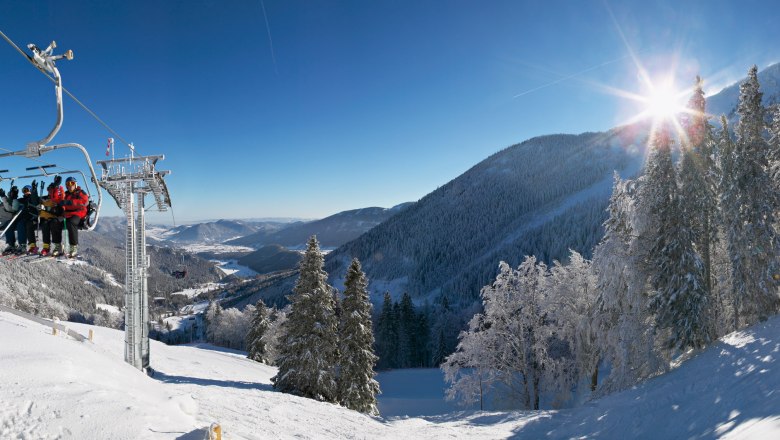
pixel 213 313
pixel 625 338
pixel 470 370
pixel 774 152
pixel 679 299
pixel 357 388
pixel 754 244
pixel 274 335
pixel 255 339
pixel 513 331
pixel 308 353
pixel 697 177
pixel 572 308
pixel 728 219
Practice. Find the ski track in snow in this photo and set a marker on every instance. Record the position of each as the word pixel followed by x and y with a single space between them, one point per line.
pixel 54 387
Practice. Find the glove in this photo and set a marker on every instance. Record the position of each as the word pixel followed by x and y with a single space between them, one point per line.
pixel 2 192
pixel 57 180
pixel 34 185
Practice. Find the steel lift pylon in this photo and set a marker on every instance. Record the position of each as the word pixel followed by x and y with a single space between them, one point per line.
pixel 128 181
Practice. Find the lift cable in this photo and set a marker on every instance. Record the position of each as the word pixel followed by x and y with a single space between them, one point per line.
pixel 97 118
pixel 90 112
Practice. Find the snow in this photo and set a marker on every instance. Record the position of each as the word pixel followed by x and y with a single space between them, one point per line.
pixel 194 308
pixel 108 307
pixel 231 267
pixel 215 248
pixel 195 291
pixel 56 387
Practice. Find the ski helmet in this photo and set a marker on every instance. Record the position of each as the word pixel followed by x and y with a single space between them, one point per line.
pixel 70 179
pixel 27 188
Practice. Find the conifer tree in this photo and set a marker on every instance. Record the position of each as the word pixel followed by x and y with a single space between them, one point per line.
pixel 625 338
pixel 387 338
pixel 679 300
pixel 698 182
pixel 729 215
pixel 255 338
pixel 357 388
pixel 755 248
pixel 308 350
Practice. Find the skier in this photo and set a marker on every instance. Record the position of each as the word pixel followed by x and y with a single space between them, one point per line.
pixel 29 215
pixel 11 205
pixel 51 216
pixel 75 210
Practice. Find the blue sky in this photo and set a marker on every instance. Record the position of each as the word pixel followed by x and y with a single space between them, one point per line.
pixel 354 103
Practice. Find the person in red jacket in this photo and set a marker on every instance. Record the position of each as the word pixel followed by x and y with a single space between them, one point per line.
pixel 74 207
pixel 50 215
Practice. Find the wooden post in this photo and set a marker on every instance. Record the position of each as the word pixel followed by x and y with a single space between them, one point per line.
pixel 215 432
pixel 54 323
pixel 91 335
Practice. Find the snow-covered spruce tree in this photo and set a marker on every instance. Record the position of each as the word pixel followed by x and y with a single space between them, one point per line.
pixel 357 388
pixel 774 149
pixel 698 177
pixel 728 219
pixel 624 324
pixel 387 334
pixel 755 245
pixel 308 353
pixel 255 338
pixel 679 300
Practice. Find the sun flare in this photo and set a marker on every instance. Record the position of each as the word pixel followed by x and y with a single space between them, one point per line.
pixel 663 102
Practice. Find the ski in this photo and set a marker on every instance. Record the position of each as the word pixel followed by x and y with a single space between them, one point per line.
pixel 27 257
pixel 39 259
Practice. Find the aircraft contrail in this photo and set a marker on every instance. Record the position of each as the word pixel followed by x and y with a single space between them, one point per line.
pixel 573 75
pixel 270 40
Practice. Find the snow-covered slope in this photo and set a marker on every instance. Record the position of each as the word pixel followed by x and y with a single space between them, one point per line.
pixel 55 387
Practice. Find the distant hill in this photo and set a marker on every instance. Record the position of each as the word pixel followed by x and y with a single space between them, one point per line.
pixel 331 231
pixel 271 258
pixel 212 232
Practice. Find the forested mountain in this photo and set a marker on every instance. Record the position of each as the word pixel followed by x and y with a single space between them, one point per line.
pixel 271 258
pixel 542 197
pixel 331 231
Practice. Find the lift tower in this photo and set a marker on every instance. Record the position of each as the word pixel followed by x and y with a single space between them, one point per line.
pixel 128 181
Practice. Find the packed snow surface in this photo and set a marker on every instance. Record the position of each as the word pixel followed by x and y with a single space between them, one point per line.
pixel 231 267
pixel 55 387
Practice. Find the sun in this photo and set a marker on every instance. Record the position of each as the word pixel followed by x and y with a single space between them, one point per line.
pixel 663 102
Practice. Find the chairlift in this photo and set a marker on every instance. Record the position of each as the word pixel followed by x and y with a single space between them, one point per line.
pixel 92 208
pixel 44 60
pixel 181 271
